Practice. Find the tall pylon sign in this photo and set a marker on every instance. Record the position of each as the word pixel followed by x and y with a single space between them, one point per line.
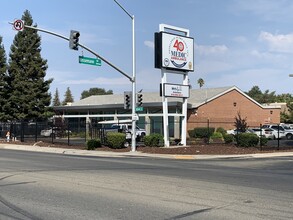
pixel 174 53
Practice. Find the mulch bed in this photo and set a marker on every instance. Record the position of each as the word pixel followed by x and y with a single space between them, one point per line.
pixel 198 149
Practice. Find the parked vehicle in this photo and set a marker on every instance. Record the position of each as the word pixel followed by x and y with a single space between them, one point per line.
pixel 140 133
pixel 235 131
pixel 263 132
pixel 287 126
pixel 124 126
pixel 288 131
pixel 55 131
pixel 47 132
pixel 279 131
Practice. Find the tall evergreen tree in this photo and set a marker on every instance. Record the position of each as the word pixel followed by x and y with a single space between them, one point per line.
pixel 56 99
pixel 29 97
pixel 67 97
pixel 3 87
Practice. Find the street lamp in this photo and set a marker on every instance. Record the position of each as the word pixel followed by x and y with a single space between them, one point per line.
pixel 133 136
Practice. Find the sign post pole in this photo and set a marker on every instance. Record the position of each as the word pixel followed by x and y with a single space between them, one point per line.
pixel 165 110
pixel 174 54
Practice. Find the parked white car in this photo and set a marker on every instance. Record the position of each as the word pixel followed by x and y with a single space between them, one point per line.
pixel 264 132
pixel 234 131
pixel 46 132
pixel 55 132
pixel 279 131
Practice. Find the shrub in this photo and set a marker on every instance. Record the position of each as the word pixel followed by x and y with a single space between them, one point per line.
pixel 247 140
pixel 154 140
pixel 203 132
pixel 191 133
pixel 93 144
pixel 217 135
pixel 263 141
pixel 240 123
pixel 221 130
pixel 115 140
pixel 228 138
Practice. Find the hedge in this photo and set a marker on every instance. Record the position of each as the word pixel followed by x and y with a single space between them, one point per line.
pixel 203 132
pixel 93 144
pixel 154 140
pixel 228 138
pixel 115 140
pixel 247 139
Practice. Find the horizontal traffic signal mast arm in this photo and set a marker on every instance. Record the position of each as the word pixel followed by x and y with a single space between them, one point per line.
pixel 84 47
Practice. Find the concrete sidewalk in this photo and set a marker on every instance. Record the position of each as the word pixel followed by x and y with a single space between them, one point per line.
pixel 136 153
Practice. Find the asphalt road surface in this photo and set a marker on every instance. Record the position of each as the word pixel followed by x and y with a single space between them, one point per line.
pixel 52 186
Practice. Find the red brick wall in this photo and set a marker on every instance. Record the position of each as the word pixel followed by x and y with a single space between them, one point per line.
pixel 221 112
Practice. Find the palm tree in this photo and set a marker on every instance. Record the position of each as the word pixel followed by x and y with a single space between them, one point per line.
pixel 200 82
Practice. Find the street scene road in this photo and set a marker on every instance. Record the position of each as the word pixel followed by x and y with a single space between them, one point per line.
pixel 37 185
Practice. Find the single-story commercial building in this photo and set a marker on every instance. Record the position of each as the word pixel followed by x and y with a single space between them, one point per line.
pixel 214 107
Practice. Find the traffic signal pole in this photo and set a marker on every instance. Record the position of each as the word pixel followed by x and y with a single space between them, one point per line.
pixel 132 79
pixel 83 46
pixel 133 130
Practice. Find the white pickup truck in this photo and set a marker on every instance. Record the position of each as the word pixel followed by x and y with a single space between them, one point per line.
pixel 140 133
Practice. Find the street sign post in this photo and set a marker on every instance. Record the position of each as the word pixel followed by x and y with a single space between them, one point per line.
pixel 90 61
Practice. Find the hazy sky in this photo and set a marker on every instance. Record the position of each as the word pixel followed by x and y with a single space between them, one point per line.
pixel 237 42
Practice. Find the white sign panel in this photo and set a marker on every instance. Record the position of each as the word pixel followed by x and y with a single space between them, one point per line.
pixel 177 52
pixel 175 90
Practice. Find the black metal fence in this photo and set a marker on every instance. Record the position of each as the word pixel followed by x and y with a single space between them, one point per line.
pixel 78 132
pixel 66 133
pixel 280 139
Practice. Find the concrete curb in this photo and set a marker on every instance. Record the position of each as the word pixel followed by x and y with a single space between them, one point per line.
pixel 137 154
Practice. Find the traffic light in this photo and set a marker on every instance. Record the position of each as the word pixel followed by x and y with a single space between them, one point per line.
pixel 139 99
pixel 73 40
pixel 127 100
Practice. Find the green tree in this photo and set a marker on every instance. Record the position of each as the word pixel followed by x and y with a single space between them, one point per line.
pixel 67 97
pixel 29 96
pixel 285 97
pixel 255 93
pixel 260 97
pixel 3 87
pixel 56 99
pixel 287 117
pixel 200 82
pixel 95 91
pixel 268 97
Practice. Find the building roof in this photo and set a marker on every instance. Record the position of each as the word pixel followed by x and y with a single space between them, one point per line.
pixel 197 98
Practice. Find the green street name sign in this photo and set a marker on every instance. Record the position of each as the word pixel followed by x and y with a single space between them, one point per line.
pixel 90 61
pixel 139 109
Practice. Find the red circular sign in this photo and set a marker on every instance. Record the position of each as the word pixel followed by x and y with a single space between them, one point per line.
pixel 18 25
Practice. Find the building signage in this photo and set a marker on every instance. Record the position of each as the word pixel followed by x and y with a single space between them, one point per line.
pixel 174 52
pixel 176 90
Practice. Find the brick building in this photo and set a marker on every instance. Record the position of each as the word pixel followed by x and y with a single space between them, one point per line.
pixel 222 105
pixel 214 107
